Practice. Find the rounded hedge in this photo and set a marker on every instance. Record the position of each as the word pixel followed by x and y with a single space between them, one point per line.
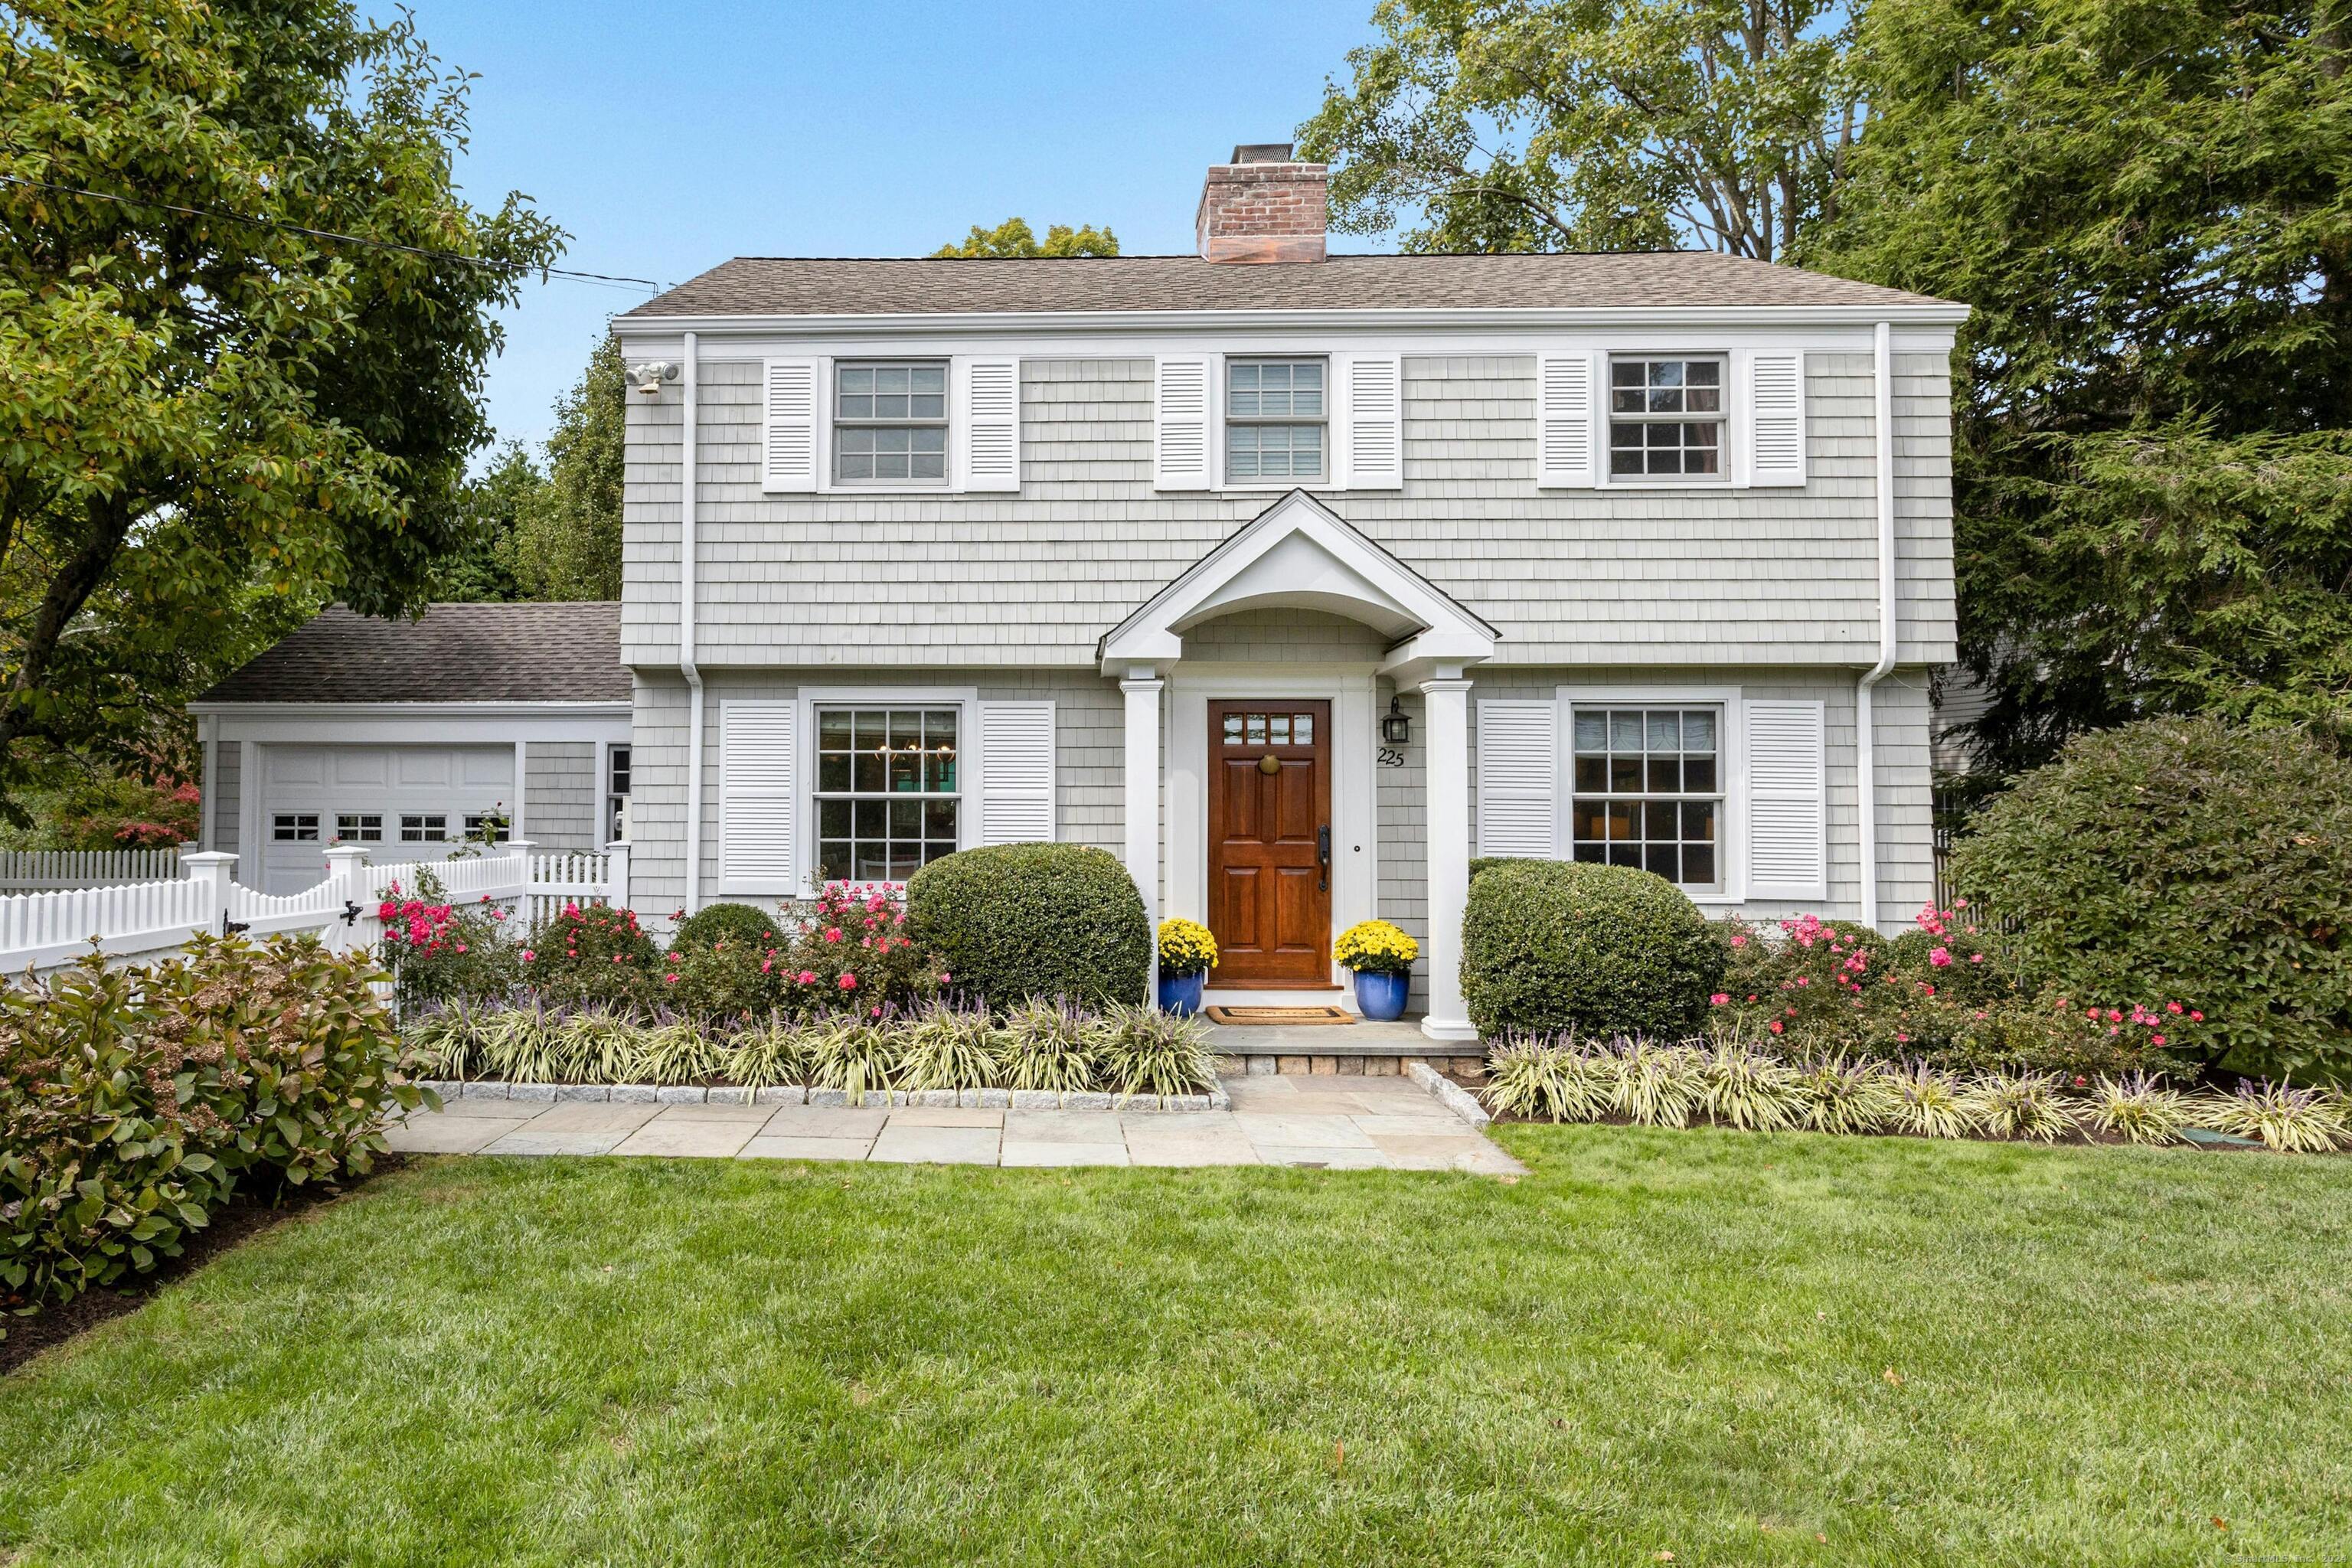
pixel 740 924
pixel 2186 861
pixel 1602 949
pixel 1015 921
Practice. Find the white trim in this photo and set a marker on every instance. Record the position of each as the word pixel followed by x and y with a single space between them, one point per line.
pixel 1129 323
pixel 409 709
pixel 1732 757
pixel 1444 630
pixel 1352 691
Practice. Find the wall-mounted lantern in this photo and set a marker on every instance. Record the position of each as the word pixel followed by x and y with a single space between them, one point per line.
pixel 1395 728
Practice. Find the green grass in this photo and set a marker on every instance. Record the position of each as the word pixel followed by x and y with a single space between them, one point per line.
pixel 1656 1342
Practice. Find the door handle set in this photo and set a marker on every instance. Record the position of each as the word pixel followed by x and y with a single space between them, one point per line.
pixel 1323 859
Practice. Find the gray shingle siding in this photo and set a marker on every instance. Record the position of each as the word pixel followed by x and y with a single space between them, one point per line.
pixel 1683 577
pixel 559 794
pixel 228 760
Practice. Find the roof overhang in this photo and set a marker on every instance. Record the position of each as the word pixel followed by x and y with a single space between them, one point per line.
pixel 1299 555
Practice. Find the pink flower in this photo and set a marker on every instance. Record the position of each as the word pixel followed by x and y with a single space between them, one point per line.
pixel 670 979
pixel 1976 958
pixel 945 977
pixel 876 1014
pixel 849 983
pixel 806 977
pixel 1774 1026
pixel 528 955
pixel 387 911
pixel 1718 999
pixel 833 933
pixel 2156 1039
pixel 2195 1017
pixel 766 965
pixel 461 947
pixel 2173 1008
pixel 1739 940
pixel 616 958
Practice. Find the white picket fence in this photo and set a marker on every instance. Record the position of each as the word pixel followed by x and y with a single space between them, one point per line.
pixel 150 920
pixel 45 870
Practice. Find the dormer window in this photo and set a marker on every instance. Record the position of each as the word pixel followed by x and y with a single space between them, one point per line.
pixel 1277 417
pixel 890 423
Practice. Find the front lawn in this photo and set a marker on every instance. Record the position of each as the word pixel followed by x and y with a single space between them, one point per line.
pixel 1735 1348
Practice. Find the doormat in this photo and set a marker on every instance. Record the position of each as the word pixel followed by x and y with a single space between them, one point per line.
pixel 1260 1017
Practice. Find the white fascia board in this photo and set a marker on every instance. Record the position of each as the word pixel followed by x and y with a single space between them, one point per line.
pixel 379 723
pixel 1312 324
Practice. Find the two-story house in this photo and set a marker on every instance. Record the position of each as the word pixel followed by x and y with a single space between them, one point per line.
pixel 1296 580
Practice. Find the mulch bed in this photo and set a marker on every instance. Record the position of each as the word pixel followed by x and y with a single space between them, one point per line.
pixel 243 1218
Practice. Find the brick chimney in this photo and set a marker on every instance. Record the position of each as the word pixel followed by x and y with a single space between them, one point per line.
pixel 1262 207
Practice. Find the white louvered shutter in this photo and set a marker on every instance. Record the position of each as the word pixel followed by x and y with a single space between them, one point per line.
pixel 1519 778
pixel 1182 399
pixel 1565 389
pixel 758 796
pixel 789 444
pixel 1016 772
pixel 1372 386
pixel 1776 419
pixel 1784 747
pixel 987 444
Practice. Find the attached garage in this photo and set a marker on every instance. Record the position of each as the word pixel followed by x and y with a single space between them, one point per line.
pixel 407 803
pixel 404 736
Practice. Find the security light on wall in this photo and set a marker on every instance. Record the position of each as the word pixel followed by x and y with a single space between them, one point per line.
pixel 1396 728
pixel 651 374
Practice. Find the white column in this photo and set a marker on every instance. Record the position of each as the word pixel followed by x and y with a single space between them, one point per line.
pixel 1143 799
pixel 616 873
pixel 1448 718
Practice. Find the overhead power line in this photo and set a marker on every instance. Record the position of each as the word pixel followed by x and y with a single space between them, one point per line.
pixel 284 226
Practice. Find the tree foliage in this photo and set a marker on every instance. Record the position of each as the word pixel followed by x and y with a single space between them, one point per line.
pixel 1013 237
pixel 1590 124
pixel 215 419
pixel 568 530
pixel 2146 204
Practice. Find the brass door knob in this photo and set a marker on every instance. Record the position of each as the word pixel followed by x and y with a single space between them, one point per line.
pixel 1269 765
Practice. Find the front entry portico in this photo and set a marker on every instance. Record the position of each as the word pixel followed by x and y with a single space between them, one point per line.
pixel 1277 869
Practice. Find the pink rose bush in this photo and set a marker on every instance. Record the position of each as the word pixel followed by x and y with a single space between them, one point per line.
pixel 849 954
pixel 1947 992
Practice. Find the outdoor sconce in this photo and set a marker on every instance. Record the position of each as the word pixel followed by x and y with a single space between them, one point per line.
pixel 1395 728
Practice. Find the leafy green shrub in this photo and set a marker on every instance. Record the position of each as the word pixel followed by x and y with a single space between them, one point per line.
pixel 854 956
pixel 440 951
pixel 1016 921
pixel 1603 950
pixel 133 1102
pixel 740 924
pixel 591 954
pixel 2186 859
pixel 726 980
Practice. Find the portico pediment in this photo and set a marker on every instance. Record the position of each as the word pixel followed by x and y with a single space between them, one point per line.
pixel 1299 555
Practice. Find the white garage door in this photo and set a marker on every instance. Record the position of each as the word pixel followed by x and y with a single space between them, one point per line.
pixel 403 803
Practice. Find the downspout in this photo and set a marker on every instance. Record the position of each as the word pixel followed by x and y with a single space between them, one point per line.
pixel 689 587
pixel 1865 737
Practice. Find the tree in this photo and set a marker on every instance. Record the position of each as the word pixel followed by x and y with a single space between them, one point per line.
pixel 2146 204
pixel 567 533
pixel 218 417
pixel 1591 125
pixel 482 568
pixel 1013 238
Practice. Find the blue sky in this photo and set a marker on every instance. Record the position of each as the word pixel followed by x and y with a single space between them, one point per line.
pixel 668 137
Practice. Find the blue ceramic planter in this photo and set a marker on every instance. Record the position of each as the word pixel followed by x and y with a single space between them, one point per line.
pixel 1180 994
pixel 1382 996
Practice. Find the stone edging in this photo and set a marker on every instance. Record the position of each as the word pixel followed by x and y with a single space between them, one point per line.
pixel 1449 1094
pixel 942 1099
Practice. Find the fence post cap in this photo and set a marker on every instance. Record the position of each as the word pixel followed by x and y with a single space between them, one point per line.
pixel 617 847
pixel 210 857
pixel 522 846
pixel 346 851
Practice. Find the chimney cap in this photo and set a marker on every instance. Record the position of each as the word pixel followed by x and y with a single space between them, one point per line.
pixel 1263 152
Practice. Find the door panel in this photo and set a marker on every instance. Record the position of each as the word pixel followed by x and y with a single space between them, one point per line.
pixel 382 783
pixel 1270 889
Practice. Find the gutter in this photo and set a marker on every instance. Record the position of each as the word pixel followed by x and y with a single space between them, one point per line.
pixel 689 587
pixel 1865 739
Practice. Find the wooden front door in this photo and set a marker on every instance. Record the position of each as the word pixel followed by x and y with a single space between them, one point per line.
pixel 1270 842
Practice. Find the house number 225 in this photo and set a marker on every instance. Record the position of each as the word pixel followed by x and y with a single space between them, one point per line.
pixel 1390 757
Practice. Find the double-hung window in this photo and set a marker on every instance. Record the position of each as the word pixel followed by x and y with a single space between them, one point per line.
pixel 1277 419
pixel 890 423
pixel 1649 791
pixel 888 790
pixel 1665 419
pixel 616 793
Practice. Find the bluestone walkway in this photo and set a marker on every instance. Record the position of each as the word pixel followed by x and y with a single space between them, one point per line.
pixel 1325 1122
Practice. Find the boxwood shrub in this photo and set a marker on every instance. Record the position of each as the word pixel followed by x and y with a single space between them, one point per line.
pixel 1015 921
pixel 1603 950
pixel 2186 861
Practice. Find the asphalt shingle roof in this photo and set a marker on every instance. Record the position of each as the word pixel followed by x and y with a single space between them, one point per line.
pixel 455 653
pixel 797 286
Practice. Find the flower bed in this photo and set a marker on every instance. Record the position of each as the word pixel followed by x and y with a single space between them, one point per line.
pixel 1046 1049
pixel 1728 1082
